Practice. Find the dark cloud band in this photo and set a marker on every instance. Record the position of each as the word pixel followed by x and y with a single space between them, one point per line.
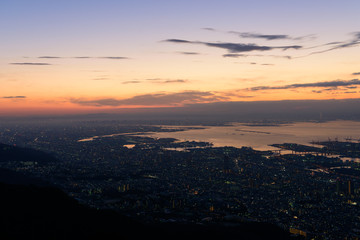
pixel 158 99
pixel 235 47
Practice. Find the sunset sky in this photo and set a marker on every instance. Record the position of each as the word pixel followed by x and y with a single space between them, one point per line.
pixel 85 56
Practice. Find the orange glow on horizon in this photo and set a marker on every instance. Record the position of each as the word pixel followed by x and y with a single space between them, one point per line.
pixel 24 108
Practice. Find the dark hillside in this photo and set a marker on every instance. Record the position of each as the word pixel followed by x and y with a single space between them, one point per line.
pixel 32 210
pixel 13 153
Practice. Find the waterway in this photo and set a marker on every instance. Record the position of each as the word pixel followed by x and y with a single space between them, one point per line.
pixel 260 137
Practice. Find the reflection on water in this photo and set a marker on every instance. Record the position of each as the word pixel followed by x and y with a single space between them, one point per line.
pixel 110 135
pixel 129 145
pixel 260 137
pixel 88 139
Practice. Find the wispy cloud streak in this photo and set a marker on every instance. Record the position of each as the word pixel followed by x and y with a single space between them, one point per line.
pixel 30 63
pixel 328 84
pixel 270 37
pixel 235 47
pixel 85 57
pixel 14 97
pixel 353 42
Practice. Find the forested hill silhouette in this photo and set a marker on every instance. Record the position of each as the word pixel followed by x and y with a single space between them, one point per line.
pixel 14 153
pixel 35 211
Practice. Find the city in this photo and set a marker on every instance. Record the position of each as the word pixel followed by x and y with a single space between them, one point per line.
pixel 154 119
pixel 307 193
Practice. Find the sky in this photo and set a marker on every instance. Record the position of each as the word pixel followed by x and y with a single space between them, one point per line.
pixel 88 56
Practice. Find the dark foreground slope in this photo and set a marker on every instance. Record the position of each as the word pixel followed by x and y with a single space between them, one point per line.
pixel 32 211
pixel 13 153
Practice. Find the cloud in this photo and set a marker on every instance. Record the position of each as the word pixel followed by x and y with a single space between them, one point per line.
pixel 209 29
pixel 175 81
pixel 262 36
pixel 110 58
pixel 156 99
pixel 277 56
pixel 235 47
pixel 177 41
pixel 14 97
pixel 129 82
pixel 235 55
pixel 114 58
pixel 270 37
pixel 356 73
pixel 330 85
pixel 353 42
pixel 49 57
pixel 161 81
pixel 234 94
pixel 31 63
pixel 251 63
pixel 157 81
pixel 189 53
pixel 254 63
pixel 240 47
